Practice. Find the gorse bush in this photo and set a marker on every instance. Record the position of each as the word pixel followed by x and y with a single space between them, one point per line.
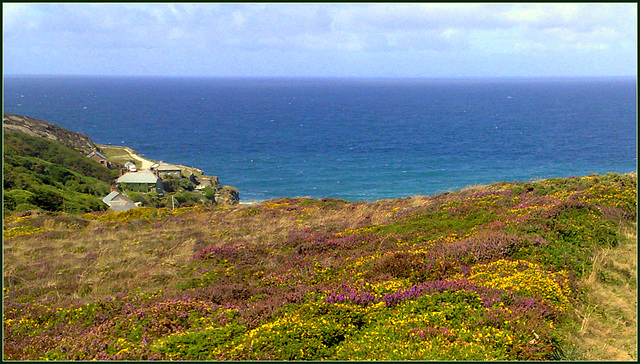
pixel 488 273
pixel 311 332
pixel 524 278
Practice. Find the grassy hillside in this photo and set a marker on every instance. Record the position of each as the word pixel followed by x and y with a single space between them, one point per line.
pixel 48 175
pixel 510 271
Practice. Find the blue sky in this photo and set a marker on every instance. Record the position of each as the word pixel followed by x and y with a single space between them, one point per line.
pixel 321 39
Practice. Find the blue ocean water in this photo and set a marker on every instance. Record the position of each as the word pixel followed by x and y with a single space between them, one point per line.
pixel 356 139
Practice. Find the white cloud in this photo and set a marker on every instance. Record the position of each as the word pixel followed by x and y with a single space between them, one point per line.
pixel 283 25
pixel 378 30
pixel 18 15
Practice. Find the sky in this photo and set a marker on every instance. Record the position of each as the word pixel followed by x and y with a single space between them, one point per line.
pixel 371 40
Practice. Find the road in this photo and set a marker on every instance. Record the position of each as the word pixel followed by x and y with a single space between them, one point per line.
pixel 144 163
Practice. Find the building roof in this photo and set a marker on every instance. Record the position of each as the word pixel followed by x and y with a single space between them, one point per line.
pixel 166 167
pixel 95 152
pixel 108 198
pixel 119 202
pixel 138 177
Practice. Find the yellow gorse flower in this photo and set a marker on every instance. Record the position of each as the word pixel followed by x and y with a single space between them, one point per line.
pixel 22 231
pixel 524 277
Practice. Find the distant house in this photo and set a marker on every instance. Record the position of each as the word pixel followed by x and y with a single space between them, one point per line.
pixel 98 157
pixel 131 167
pixel 142 181
pixel 165 169
pixel 119 202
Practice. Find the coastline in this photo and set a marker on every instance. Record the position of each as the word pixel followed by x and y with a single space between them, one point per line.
pixel 275 149
pixel 251 202
pixel 125 153
pixel 224 194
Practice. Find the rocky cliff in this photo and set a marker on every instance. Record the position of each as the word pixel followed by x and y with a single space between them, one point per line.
pixel 227 195
pixel 48 131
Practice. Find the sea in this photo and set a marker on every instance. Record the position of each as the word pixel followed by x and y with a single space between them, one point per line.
pixel 352 139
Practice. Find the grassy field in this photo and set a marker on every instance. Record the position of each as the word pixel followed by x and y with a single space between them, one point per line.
pixel 540 270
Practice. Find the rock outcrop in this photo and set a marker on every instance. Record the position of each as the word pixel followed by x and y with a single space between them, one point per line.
pixel 205 181
pixel 224 195
pixel 227 195
pixel 48 131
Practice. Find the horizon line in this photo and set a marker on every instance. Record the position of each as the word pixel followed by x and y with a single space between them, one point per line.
pixel 324 77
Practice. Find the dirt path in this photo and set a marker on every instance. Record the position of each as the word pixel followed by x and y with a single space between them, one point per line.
pixel 144 163
pixel 608 327
pixel 122 154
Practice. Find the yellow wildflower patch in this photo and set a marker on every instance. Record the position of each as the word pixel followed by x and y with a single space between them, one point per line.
pixel 22 231
pixel 524 277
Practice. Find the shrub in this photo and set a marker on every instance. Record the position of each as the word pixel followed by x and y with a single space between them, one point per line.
pixel 59 177
pixel 526 278
pixel 47 198
pixel 310 332
pixel 479 274
pixel 17 197
pixel 140 197
pixel 209 343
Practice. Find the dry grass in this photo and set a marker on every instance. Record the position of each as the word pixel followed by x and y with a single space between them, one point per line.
pixel 78 263
pixel 84 259
pixel 608 319
pixel 78 259
pixel 116 153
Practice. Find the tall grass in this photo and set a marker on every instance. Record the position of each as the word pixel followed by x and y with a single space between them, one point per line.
pixel 604 325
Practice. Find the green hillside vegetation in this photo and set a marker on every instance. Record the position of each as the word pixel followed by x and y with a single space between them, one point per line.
pixel 48 175
pixel 41 174
pixel 540 270
pixel 178 197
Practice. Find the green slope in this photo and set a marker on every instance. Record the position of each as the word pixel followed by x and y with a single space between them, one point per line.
pixel 48 175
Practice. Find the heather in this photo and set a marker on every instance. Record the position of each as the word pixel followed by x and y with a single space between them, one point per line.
pixel 498 272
